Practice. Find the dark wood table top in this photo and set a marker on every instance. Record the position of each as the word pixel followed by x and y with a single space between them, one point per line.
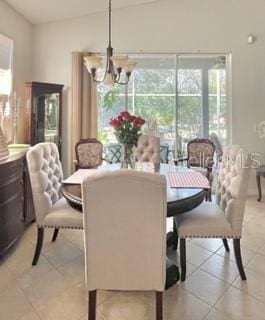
pixel 179 200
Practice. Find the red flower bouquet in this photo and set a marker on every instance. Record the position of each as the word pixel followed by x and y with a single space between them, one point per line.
pixel 127 130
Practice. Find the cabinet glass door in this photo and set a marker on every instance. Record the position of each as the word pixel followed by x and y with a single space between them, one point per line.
pixel 47 118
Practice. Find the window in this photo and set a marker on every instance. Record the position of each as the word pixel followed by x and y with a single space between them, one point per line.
pixel 189 105
pixel 5 74
pixel 184 95
pixel 151 94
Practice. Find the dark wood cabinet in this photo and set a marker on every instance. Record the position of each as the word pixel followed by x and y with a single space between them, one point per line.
pixel 16 204
pixel 44 113
pixel 28 207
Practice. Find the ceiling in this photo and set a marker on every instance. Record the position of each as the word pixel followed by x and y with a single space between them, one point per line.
pixel 42 11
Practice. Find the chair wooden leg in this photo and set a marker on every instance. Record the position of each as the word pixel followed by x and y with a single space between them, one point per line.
pixel 175 236
pixel 40 237
pixel 55 234
pixel 210 195
pixel 159 305
pixel 237 251
pixel 92 304
pixel 226 245
pixel 183 259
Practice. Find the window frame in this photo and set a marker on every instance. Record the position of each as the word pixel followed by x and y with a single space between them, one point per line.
pixel 11 64
pixel 205 89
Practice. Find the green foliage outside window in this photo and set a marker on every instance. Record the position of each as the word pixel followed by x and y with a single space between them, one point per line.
pixel 151 93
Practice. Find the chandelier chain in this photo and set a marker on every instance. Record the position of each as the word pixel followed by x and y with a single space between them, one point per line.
pixel 110 23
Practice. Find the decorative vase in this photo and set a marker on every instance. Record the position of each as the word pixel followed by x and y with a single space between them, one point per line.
pixel 128 157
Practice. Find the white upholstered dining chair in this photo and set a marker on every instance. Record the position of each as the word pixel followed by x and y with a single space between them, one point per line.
pixel 51 209
pixel 148 149
pixel 125 233
pixel 224 218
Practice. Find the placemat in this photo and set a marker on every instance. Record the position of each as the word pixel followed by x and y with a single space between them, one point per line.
pixel 189 179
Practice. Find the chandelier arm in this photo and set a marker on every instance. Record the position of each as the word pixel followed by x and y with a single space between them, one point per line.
pixel 123 83
pixel 128 75
pixel 118 78
pixel 105 75
pixel 97 81
pixel 94 74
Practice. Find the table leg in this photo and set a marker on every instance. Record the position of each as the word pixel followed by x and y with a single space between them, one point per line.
pixel 172 273
pixel 172 239
pixel 259 187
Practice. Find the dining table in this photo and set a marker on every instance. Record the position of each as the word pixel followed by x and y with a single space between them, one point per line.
pixel 179 201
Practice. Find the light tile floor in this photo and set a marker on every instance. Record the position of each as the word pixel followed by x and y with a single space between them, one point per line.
pixel 55 288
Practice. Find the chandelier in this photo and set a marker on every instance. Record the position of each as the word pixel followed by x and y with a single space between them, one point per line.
pixel 116 66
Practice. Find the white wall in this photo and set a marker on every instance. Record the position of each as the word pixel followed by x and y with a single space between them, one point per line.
pixel 16 27
pixel 188 26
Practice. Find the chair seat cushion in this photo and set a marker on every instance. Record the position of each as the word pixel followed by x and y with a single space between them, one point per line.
pixel 206 221
pixel 63 216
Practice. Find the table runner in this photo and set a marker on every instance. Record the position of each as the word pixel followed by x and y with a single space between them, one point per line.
pixel 188 180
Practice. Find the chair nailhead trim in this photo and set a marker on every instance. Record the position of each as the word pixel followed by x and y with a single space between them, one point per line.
pixel 206 237
pixel 60 227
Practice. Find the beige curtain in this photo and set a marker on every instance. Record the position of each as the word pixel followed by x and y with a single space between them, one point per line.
pixel 84 104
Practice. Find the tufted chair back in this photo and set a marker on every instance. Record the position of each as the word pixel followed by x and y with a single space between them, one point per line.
pixel 46 176
pixel 232 186
pixel 148 149
pixel 89 153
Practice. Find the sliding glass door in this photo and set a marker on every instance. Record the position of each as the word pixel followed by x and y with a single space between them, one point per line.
pixel 202 97
pixel 181 97
pixel 152 95
pixel 218 101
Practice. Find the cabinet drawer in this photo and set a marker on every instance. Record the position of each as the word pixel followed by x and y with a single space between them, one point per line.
pixel 11 224
pixel 10 170
pixel 10 187
pixel 14 202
